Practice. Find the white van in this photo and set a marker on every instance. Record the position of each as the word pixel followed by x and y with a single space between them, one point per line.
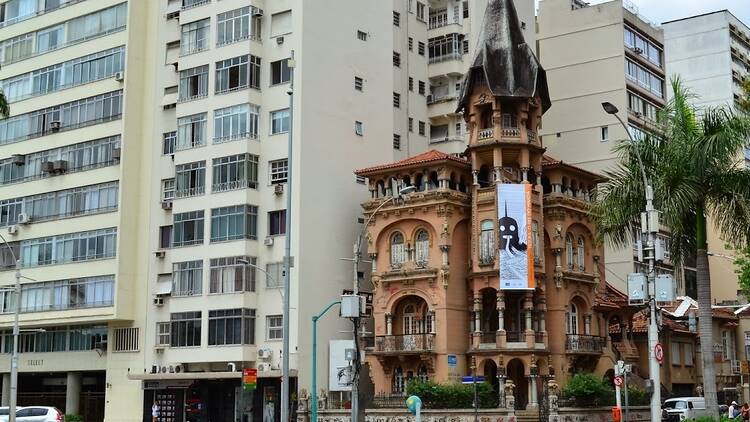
pixel 682 408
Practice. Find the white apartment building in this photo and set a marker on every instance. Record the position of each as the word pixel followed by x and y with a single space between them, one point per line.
pixel 71 173
pixel 157 132
pixel 592 54
pixel 711 53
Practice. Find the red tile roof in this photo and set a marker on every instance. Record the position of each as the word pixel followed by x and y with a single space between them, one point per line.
pixel 548 161
pixel 610 298
pixel 640 324
pixel 423 158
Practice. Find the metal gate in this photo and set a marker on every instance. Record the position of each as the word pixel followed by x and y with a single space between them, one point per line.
pixel 544 399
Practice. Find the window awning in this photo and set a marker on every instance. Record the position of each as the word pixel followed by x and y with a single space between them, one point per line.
pixel 163 288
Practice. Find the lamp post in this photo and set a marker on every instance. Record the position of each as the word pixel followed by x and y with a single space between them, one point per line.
pixel 14 357
pixel 650 226
pixel 314 397
pixel 357 257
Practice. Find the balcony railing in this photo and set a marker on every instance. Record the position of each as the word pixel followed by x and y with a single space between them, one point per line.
pixel 405 343
pixel 188 192
pixel 511 132
pixel 538 337
pixel 438 20
pixel 456 55
pixel 489 337
pixel 515 336
pixel 531 135
pixel 584 343
pixel 486 133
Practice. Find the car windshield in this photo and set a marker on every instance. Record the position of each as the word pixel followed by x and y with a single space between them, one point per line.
pixel 677 404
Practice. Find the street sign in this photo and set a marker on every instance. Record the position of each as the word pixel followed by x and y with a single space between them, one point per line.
pixel 618 381
pixel 452 361
pixel 249 379
pixel 659 353
pixel 471 380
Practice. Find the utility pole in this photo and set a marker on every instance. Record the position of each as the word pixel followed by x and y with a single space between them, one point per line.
pixel 649 227
pixel 287 252
pixel 14 358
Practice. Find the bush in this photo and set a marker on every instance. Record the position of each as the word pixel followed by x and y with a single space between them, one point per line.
pixel 452 396
pixel 710 419
pixel 72 418
pixel 638 396
pixel 589 390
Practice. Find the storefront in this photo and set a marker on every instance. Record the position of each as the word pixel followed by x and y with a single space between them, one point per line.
pixel 210 396
pixel 51 389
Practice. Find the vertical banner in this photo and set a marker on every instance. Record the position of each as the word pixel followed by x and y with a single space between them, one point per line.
pixel 516 254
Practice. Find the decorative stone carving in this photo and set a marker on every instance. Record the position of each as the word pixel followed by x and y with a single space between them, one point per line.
pixel 444 277
pixel 510 398
pixel 302 401
pixel 554 387
pixel 323 399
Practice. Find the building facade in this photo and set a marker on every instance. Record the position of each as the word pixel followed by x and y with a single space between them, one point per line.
pixel 437 303
pixel 72 154
pixel 711 53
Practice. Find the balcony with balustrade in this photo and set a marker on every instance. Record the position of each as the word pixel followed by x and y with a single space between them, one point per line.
pixel 584 344
pixel 401 344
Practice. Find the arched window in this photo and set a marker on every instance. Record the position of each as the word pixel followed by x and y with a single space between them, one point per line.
pixel 487 242
pixel 581 254
pixel 398 380
pixel 411 324
pixel 572 324
pixel 569 251
pixel 398 251
pixel 422 248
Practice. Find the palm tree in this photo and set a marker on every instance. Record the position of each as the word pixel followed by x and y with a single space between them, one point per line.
pixel 694 166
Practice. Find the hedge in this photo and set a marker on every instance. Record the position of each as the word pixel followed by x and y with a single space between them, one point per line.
pixel 452 396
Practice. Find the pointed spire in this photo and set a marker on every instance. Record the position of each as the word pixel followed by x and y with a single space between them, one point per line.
pixel 504 61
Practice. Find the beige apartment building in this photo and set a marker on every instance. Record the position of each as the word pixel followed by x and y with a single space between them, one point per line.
pixel 597 53
pixel 156 132
pixel 72 172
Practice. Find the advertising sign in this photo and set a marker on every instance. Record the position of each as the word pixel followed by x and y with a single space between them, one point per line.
pixel 249 378
pixel 516 254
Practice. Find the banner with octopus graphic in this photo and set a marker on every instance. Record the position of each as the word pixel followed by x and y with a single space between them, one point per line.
pixel 516 255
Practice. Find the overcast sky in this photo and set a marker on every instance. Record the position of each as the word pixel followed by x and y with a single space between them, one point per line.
pixel 659 11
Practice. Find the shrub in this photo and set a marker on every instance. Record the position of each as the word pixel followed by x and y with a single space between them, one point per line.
pixel 70 417
pixel 638 396
pixel 452 396
pixel 588 390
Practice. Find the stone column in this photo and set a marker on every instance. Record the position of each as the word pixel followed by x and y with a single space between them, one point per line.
pixel 73 393
pixel 500 311
pixel 498 175
pixel 374 259
pixel 475 177
pixel 587 324
pixel 525 174
pixel 6 389
pixel 444 254
pixel 532 393
pixel 388 324
pixel 431 318
pixel 477 313
pixel 529 308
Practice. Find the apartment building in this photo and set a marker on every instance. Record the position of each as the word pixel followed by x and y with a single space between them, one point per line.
pixel 434 45
pixel 711 53
pixel 597 53
pixel 71 175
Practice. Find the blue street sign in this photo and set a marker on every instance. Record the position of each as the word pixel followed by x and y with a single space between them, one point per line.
pixel 470 380
pixel 452 361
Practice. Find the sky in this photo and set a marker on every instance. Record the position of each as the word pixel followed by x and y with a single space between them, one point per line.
pixel 658 11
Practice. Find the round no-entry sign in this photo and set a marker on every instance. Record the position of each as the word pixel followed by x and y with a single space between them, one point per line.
pixel 659 353
pixel 618 381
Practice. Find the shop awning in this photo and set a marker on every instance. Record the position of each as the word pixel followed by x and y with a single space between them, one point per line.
pixel 274 373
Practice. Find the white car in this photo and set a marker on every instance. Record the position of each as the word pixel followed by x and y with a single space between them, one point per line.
pixel 4 412
pixel 38 414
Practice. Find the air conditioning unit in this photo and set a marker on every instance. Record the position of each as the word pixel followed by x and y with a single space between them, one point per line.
pixel 429 98
pixel 120 76
pixel 54 125
pixel 24 218
pixel 47 167
pixel 278 189
pixel 175 368
pixel 257 13
pixel 19 159
pixel 116 153
pixel 160 254
pixel 12 229
pixel 166 205
pixel 279 40
pixel 158 301
pixel 60 166
pixel 264 367
pixel 264 353
pixel 268 241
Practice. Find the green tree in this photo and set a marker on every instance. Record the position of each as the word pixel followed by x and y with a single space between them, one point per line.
pixel 696 177
pixel 742 263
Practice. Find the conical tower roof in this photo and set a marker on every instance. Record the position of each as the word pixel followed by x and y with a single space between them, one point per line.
pixel 506 62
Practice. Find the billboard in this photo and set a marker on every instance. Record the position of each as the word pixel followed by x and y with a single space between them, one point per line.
pixel 516 255
pixel 338 376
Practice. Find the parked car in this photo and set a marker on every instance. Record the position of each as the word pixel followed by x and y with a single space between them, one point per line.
pixel 683 408
pixel 39 414
pixel 4 412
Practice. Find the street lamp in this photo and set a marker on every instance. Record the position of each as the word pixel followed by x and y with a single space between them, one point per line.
pixel 357 257
pixel 14 357
pixel 650 226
